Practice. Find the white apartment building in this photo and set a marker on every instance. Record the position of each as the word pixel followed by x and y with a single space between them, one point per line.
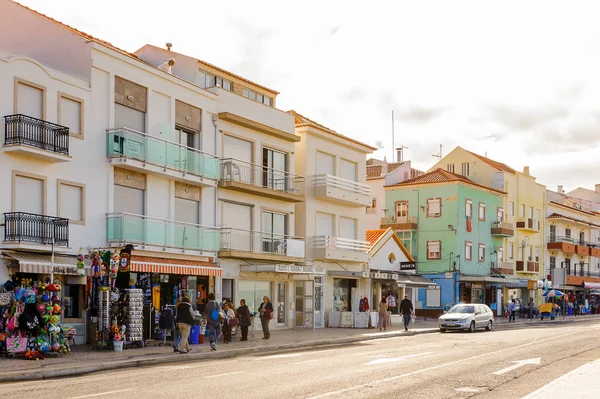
pixel 333 221
pixel 258 187
pixel 573 241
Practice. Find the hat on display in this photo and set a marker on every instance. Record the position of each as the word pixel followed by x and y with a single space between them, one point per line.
pixel 30 299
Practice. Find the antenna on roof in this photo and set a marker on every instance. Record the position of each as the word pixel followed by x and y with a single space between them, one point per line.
pixel 438 155
pixel 169 45
pixel 393 135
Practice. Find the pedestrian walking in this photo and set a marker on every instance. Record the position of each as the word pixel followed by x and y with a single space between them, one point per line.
pixel 512 310
pixel 212 315
pixel 185 321
pixel 229 316
pixel 244 321
pixel 266 314
pixel 531 306
pixel 406 307
pixel 383 308
pixel 176 333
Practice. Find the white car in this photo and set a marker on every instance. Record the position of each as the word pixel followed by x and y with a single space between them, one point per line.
pixel 467 316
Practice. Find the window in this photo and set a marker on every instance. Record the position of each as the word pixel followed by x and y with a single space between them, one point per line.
pixel 530 213
pixel 324 225
pixel 522 211
pixel 261 98
pixel 348 228
pixel 500 214
pixel 73 301
pixel 275 225
pixel 482 211
pixel 568 233
pixel 511 208
pixel 450 167
pixel 29 193
pixel 30 99
pixel 537 214
pixel 434 207
pixel 237 149
pixel 187 210
pixel 434 250
pixel 70 114
pixel 537 254
pixel 348 170
pixel 251 94
pixel 552 262
pixel 274 170
pixel 373 208
pixel 129 117
pixel 325 164
pixel 464 168
pixel 71 201
pixel 401 211
pixel 481 253
pixel 511 250
pixel 468 250
pixel 469 208
pixel 129 200
pixel 500 255
pixel 185 137
pixel 253 292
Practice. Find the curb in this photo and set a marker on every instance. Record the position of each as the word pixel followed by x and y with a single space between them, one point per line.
pixel 36 375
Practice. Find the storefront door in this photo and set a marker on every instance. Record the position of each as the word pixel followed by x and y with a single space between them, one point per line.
pixel 319 288
pixel 304 303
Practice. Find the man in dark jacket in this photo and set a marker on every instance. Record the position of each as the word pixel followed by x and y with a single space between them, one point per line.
pixel 213 326
pixel 406 307
pixel 185 321
pixel 243 315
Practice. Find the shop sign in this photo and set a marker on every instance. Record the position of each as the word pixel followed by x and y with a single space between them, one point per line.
pixel 64 270
pixel 299 269
pixel 408 266
pixel 384 276
pixel 433 287
pixel 588 285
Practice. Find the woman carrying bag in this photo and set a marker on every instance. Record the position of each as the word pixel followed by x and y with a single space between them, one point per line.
pixel 266 314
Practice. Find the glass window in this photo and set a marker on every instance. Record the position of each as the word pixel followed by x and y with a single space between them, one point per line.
pixel 274 227
pixel 511 208
pixel 469 208
pixel 434 207
pixel 281 301
pixel 481 211
pixel 268 101
pixel 211 80
pixel 219 82
pixel 202 78
pixel 468 250
pixel 530 212
pixel 259 98
pixel 227 85
pixel 434 250
pixel 342 294
pixel 348 170
pixel 72 301
pixel 253 292
pixel 450 167
pixel 481 255
pixel 500 214
pixel 465 168
pixel 245 92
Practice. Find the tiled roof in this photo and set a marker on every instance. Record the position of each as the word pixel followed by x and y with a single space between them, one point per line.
pixel 375 171
pixel 494 164
pixel 374 235
pixel 441 176
pixel 559 216
pixel 80 33
pixel 302 121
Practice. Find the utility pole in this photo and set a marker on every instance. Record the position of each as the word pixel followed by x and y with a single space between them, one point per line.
pixel 393 146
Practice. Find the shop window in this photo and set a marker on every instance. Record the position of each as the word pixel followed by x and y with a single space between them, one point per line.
pixel 434 207
pixel 342 294
pixel 434 250
pixel 253 292
pixel 72 301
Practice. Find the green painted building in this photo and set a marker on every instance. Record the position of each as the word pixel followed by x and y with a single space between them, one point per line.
pixel 453 228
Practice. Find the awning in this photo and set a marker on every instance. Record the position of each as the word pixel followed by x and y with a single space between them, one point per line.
pixel 41 263
pixel 147 264
pixel 414 280
pixel 508 282
pixel 347 273
pixel 591 286
pixel 283 268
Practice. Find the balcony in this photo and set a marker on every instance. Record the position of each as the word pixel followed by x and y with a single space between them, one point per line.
pixel 33 232
pixel 36 138
pixel 255 245
pixel 148 154
pixel 329 248
pixel 503 229
pixel 528 224
pixel 595 252
pixel 343 191
pixel 162 235
pixel 527 267
pixel 564 244
pixel 259 180
pixel 502 267
pixel 399 222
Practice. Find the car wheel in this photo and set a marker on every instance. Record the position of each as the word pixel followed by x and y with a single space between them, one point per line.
pixel 442 330
pixel 472 327
pixel 489 326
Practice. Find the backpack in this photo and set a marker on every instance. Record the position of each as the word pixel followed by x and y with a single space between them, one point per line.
pixel 215 314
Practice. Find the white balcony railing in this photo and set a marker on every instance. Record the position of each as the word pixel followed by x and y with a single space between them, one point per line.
pixel 344 184
pixel 339 243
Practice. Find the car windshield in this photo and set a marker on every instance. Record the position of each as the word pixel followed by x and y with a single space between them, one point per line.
pixel 462 309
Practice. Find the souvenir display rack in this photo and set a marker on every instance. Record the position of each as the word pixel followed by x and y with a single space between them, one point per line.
pixel 134 320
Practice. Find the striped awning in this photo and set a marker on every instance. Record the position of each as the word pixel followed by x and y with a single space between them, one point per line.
pixel 30 262
pixel 149 264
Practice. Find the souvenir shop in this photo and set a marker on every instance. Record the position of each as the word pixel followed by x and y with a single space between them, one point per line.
pixel 41 304
pixel 136 304
pixel 350 306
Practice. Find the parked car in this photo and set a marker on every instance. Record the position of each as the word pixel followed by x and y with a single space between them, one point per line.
pixel 467 316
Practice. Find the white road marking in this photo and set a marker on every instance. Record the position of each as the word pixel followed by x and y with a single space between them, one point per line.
pixel 100 394
pixel 224 374
pixel 307 361
pixel 518 363
pixel 469 390
pixel 296 354
pixel 580 379
pixel 382 360
pixel 439 366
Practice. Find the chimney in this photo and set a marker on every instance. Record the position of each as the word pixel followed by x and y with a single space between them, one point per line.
pixel 597 188
pixel 560 189
pixel 526 170
pixel 169 45
pixel 384 167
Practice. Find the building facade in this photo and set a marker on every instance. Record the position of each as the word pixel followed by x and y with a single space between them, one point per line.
pixel 333 217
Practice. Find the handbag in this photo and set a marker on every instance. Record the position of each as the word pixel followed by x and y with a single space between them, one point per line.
pixel 16 345
pixel 6 297
pixel 268 314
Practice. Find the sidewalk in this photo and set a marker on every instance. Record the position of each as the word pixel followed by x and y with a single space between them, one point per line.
pixel 83 359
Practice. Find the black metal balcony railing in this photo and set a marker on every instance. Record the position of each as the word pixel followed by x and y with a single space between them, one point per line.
pixel 23 129
pixel 37 229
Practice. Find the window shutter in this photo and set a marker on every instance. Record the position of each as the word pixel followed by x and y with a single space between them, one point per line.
pixel 70 115
pixel 237 149
pixel 324 224
pixel 325 164
pixel 434 207
pixel 70 202
pixel 30 101
pixel 348 228
pixel 348 170
pixel 29 195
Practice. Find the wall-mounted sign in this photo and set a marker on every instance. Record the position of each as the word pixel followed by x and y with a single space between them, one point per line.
pixel 408 266
pixel 299 269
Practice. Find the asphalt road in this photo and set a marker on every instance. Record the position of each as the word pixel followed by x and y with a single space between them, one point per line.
pixel 508 363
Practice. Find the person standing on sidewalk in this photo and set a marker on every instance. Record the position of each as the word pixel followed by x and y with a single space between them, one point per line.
pixel 266 314
pixel 531 308
pixel 406 307
pixel 229 316
pixel 213 324
pixel 185 321
pixel 383 307
pixel 512 310
pixel 243 314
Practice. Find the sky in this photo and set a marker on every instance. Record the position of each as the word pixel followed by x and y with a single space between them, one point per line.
pixel 518 81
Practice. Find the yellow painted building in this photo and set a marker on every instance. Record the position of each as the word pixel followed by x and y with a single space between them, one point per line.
pixel 523 252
